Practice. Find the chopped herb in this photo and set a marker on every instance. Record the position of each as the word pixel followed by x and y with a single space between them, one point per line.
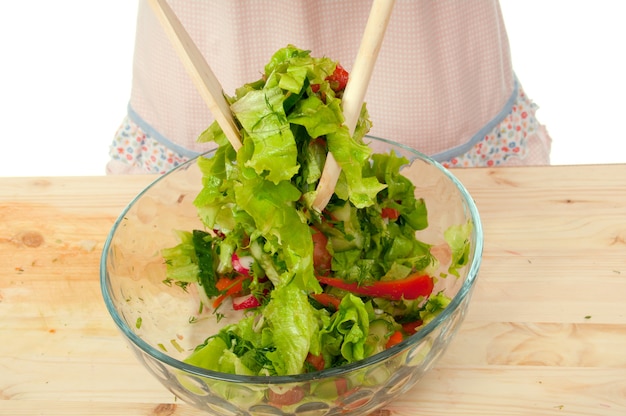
pixel 182 285
pixel 138 323
pixel 176 345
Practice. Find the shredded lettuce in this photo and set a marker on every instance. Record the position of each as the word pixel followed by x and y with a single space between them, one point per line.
pixel 292 323
pixel 181 260
pixel 192 260
pixel 257 201
pixel 433 307
pixel 351 323
pixel 458 238
pixel 274 151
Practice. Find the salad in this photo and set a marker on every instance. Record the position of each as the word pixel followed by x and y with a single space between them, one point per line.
pixel 315 290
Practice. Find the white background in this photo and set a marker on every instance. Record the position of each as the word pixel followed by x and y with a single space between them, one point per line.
pixel 66 70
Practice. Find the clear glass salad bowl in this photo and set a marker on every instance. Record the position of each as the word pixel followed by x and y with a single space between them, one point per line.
pixel 163 324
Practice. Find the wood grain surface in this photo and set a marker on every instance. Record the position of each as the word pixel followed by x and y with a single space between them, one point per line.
pixel 545 333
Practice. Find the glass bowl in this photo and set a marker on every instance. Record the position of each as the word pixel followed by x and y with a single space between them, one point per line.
pixel 164 324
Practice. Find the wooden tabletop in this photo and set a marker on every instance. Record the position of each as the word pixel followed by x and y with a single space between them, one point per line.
pixel 545 333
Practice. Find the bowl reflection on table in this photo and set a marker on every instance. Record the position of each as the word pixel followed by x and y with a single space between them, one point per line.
pixel 163 324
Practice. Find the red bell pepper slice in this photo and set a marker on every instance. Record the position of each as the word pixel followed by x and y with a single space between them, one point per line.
pixel 326 300
pixel 391 213
pixel 316 361
pixel 229 287
pixel 394 339
pixel 412 287
pixel 411 327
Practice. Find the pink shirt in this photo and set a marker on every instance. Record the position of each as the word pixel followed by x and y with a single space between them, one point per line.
pixel 444 71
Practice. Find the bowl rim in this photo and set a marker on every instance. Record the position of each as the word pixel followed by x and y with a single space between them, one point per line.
pixel 464 291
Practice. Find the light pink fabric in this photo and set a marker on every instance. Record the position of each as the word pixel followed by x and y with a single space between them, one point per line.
pixel 443 73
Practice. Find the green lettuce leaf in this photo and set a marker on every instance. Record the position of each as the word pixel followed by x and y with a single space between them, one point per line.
pixel 208 355
pixel 352 156
pixel 181 263
pixel 458 238
pixel 350 324
pixel 400 191
pixel 293 324
pixel 318 118
pixel 261 114
pixel 433 307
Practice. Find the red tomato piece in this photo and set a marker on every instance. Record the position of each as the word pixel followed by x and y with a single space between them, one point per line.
pixel 391 213
pixel 321 257
pixel 339 79
pixel 292 396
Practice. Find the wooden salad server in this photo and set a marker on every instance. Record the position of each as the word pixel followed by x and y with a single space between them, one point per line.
pixel 353 96
pixel 203 77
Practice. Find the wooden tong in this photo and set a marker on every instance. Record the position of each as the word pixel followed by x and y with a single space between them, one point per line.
pixel 203 77
pixel 353 96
